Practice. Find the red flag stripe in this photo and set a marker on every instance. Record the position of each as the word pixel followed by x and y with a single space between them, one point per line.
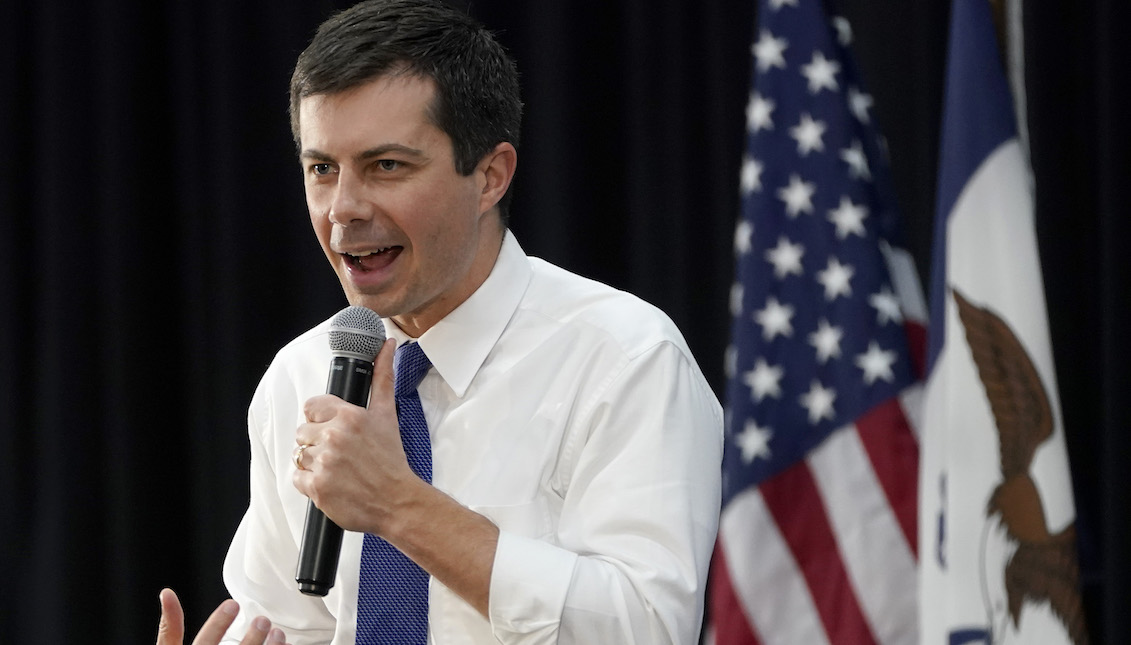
pixel 795 503
pixel 870 541
pixel 766 579
pixel 894 453
pixel 729 621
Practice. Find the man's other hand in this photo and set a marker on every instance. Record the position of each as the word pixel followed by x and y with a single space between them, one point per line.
pixel 171 629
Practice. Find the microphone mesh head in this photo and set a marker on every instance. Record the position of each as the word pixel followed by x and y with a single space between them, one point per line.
pixel 357 332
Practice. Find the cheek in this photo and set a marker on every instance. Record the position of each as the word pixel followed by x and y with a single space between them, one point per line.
pixel 323 229
pixel 315 209
pixel 317 221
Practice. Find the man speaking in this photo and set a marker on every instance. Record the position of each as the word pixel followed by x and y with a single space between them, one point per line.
pixel 539 461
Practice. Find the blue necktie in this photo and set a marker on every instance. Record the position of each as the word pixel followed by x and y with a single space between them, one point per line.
pixel 392 594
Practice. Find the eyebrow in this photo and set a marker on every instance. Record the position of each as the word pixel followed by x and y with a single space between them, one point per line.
pixel 313 154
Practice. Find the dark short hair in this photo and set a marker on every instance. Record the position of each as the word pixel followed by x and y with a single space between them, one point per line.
pixel 477 100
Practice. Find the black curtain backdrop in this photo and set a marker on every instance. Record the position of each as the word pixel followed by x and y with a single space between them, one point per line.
pixel 155 250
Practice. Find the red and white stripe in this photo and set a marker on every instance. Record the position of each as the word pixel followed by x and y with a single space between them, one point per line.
pixel 825 552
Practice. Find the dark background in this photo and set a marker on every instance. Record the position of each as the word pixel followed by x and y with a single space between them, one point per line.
pixel 155 250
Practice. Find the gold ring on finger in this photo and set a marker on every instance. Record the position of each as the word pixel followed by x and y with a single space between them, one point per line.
pixel 298 455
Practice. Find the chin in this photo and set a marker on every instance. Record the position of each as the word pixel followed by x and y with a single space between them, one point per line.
pixel 360 300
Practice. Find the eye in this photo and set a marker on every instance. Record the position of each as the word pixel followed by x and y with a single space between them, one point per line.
pixel 388 165
pixel 321 168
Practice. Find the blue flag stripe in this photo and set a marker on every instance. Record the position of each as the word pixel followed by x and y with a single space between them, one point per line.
pixel 978 117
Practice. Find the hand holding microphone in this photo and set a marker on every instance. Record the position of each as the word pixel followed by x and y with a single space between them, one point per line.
pixel 356 336
pixel 355 472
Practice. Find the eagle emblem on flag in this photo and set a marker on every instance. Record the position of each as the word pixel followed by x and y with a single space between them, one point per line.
pixel 1040 566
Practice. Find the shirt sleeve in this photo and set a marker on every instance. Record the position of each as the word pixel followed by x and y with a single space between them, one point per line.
pixel 260 567
pixel 628 563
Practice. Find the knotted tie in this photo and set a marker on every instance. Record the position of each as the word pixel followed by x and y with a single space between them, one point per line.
pixel 392 595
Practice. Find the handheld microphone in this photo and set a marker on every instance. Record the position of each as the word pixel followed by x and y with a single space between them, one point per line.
pixel 356 335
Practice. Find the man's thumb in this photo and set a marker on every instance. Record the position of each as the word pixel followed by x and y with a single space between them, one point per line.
pixel 171 629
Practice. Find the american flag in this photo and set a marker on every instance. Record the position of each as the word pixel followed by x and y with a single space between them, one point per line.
pixel 818 537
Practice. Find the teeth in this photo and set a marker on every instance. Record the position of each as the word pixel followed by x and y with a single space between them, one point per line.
pixel 361 254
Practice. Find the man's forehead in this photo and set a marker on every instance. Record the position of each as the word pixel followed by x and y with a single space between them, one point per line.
pixel 386 113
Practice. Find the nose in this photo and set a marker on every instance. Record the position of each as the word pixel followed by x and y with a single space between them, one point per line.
pixel 349 205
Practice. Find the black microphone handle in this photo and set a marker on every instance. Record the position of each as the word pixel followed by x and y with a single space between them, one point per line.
pixel 349 380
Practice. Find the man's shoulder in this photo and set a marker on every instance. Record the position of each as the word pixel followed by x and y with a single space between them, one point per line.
pixel 572 300
pixel 297 372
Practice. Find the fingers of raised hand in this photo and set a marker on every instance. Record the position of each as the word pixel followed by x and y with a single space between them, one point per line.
pixel 171 629
pixel 260 633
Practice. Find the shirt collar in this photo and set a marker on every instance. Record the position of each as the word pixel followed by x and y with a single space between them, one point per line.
pixel 458 344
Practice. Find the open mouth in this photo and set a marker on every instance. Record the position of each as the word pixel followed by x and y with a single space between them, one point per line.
pixel 371 260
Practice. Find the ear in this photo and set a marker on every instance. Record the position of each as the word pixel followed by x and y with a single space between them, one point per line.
pixel 496 170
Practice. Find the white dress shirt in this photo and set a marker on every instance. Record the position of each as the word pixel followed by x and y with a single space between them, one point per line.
pixel 570 414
